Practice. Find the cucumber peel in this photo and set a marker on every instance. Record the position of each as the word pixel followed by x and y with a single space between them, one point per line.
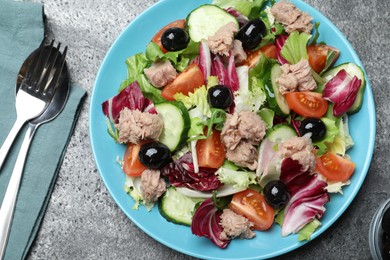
pixel 353 70
pixel 280 133
pixel 177 208
pixel 276 72
pixel 176 124
pixel 206 20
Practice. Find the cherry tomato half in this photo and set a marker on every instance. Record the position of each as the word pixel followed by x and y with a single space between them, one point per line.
pixel 253 57
pixel 334 167
pixel 187 81
pixel 210 151
pixel 252 205
pixel 132 166
pixel 317 56
pixel 307 104
pixel 157 37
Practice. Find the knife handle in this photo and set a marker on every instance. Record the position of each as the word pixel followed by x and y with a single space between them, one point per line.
pixel 10 139
pixel 9 201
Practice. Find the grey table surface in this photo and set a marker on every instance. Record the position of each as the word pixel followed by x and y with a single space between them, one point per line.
pixel 82 220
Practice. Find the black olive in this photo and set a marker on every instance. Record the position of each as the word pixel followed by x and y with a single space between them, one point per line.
pixel 314 126
pixel 386 221
pixel 154 155
pixel 220 96
pixel 251 34
pixel 174 39
pixel 276 194
pixel 385 237
pixel 386 251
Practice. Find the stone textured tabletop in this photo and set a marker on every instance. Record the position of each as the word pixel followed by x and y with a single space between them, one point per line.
pixel 82 220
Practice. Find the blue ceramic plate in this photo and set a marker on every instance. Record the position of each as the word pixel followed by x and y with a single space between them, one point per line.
pixel 266 244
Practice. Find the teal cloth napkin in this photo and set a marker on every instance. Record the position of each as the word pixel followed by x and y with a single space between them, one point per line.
pixel 21 31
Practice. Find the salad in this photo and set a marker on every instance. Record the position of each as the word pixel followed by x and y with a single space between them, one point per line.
pixel 236 119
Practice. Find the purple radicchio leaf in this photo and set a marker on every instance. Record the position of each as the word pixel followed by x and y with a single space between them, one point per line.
pixel 218 69
pixel 204 60
pixel 307 196
pixel 149 107
pixel 342 90
pixel 241 19
pixel 181 173
pixel 130 97
pixel 206 223
pixel 226 75
pixel 232 74
pixel 279 42
pixel 303 211
pixel 296 124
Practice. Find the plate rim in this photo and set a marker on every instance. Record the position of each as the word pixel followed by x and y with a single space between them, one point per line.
pixel 368 97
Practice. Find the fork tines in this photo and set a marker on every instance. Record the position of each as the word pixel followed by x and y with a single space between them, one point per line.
pixel 38 59
pixel 43 76
pixel 56 78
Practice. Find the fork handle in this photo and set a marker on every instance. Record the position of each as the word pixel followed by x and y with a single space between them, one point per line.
pixel 10 139
pixel 9 201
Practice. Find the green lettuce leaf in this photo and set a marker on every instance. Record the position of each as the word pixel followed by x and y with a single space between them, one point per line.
pixel 211 117
pixel 243 6
pixel 279 217
pixel 331 132
pixel 258 74
pixel 217 120
pixel 182 64
pixel 197 99
pixel 267 115
pixel 343 141
pixel 316 35
pixel 112 131
pixel 245 99
pixel 319 80
pixel 260 71
pixel 221 203
pixel 294 48
pixel 135 65
pixel 212 81
pixel 249 100
pixel 259 80
pixel 198 121
pixel 256 8
pixel 149 90
pixel 306 232
pixel 331 56
pixel 239 179
pixel 272 29
pixel 230 165
pixel 251 95
pixel 180 59
pixel 191 50
pixel 153 52
pixel 344 133
pixel 136 194
pixel 196 129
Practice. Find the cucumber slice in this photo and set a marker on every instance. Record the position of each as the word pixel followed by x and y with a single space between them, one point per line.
pixel 275 99
pixel 176 124
pixel 280 133
pixel 206 20
pixel 276 71
pixel 177 208
pixel 353 70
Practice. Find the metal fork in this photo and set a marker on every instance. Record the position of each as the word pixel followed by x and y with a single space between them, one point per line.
pixel 61 82
pixel 35 92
